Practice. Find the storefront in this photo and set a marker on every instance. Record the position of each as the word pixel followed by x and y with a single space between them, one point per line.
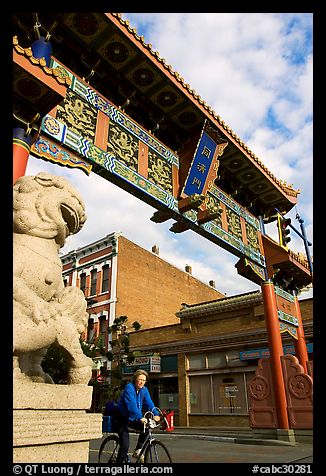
pixel 163 378
pixel 209 358
pixel 218 382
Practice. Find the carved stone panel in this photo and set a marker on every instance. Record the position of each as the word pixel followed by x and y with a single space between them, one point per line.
pixel 310 368
pixel 299 389
pixel 262 411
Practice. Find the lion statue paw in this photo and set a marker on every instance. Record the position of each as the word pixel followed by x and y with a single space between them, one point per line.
pixel 80 375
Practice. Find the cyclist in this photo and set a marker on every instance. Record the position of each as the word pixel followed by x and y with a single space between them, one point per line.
pixel 134 399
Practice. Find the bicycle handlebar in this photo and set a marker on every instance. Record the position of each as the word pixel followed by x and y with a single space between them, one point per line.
pixel 151 423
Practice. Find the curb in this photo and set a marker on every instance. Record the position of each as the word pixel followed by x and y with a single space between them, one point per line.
pixel 230 439
pixel 255 441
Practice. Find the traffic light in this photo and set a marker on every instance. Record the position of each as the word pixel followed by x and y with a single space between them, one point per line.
pixel 283 230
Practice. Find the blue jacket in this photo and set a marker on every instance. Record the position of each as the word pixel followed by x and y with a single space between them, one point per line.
pixel 132 404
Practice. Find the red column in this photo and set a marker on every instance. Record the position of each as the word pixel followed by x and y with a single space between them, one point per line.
pixel 21 148
pixel 276 351
pixel 300 343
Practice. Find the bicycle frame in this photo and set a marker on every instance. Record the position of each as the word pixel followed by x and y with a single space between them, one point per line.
pixel 149 437
pixel 150 447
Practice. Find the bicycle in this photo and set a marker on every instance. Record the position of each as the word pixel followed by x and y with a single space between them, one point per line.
pixel 153 450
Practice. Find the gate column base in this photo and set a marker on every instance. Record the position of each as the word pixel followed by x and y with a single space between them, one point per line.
pixel 274 434
pixel 286 435
pixel 291 435
pixel 304 436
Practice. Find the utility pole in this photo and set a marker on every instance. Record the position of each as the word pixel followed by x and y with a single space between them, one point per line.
pixel 303 236
pixel 305 241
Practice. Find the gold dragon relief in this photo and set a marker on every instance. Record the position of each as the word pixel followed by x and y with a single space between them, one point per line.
pixel 160 171
pixel 252 237
pixel 78 115
pixel 123 146
pixel 234 224
pixel 213 203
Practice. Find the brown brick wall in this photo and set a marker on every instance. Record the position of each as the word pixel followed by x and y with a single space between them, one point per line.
pixel 233 321
pixel 151 291
pixel 67 266
pixel 177 333
pixel 306 307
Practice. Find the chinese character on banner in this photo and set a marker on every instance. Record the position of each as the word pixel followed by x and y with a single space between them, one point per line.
pixel 204 165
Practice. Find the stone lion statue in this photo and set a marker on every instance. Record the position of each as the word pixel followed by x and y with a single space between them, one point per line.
pixel 46 210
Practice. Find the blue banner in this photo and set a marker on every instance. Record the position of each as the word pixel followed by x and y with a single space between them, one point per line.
pixel 201 165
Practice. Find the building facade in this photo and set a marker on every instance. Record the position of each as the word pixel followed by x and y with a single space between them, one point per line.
pixel 200 348
pixel 208 358
pixel 120 278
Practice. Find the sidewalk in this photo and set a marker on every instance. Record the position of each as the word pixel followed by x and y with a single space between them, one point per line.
pixel 240 435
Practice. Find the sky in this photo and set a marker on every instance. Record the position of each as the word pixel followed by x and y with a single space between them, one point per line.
pixel 256 72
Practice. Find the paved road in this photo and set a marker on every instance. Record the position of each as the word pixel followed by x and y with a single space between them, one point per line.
pixel 200 449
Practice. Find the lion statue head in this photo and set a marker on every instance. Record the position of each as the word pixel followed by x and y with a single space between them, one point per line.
pixel 47 206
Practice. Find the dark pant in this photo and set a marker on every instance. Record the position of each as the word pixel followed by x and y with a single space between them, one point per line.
pixel 122 425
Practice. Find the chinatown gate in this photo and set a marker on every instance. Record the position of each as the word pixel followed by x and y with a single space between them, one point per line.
pixel 89 93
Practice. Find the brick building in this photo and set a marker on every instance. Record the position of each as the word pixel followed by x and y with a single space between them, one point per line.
pixel 208 358
pixel 200 347
pixel 120 278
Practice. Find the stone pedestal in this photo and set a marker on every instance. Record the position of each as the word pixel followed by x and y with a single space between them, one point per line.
pixel 274 434
pixel 50 423
pixel 290 435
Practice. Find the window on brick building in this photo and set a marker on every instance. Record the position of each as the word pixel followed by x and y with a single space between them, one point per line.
pixel 216 360
pixel 83 282
pixel 90 330
pixel 223 391
pixel 219 394
pixel 102 342
pixel 230 394
pixel 93 282
pixel 105 278
pixel 197 361
pixel 200 395
pixel 103 324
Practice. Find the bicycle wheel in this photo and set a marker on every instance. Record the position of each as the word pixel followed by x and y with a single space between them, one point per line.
pixel 109 448
pixel 157 452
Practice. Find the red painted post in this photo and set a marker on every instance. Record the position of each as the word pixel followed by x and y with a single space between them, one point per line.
pixel 276 351
pixel 21 148
pixel 300 343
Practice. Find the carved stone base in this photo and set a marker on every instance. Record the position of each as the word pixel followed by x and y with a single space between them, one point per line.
pixel 50 423
pixel 290 435
pixel 274 434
